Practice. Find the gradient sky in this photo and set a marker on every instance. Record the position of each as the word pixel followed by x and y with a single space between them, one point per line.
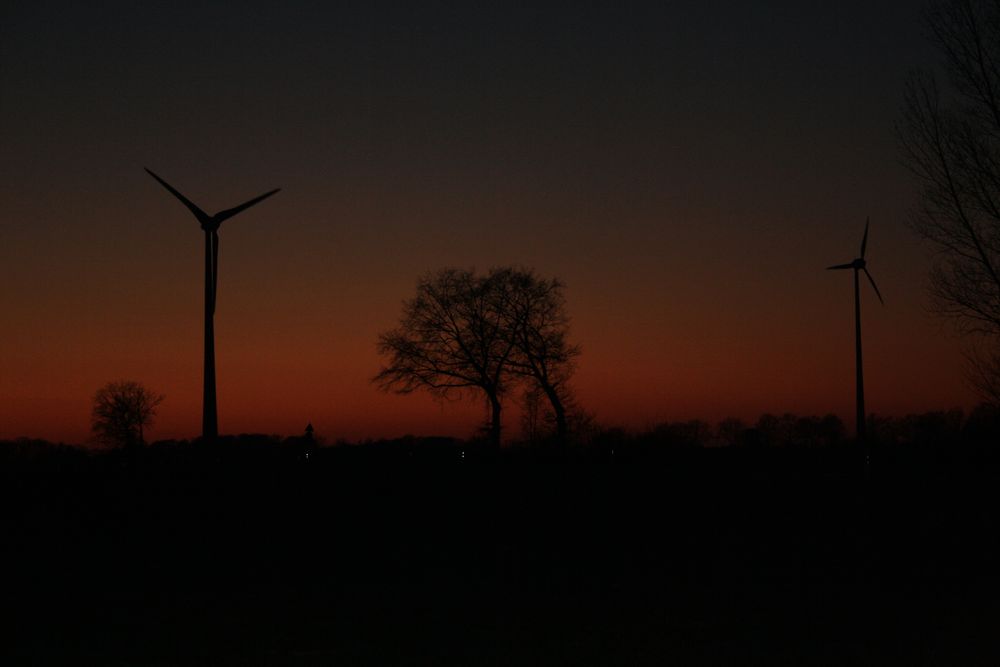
pixel 688 170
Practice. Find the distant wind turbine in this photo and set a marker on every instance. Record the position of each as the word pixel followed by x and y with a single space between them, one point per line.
pixel 210 223
pixel 859 265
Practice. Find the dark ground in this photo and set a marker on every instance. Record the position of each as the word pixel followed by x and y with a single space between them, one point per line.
pixel 701 557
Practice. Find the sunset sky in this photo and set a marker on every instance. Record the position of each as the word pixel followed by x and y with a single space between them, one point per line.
pixel 687 168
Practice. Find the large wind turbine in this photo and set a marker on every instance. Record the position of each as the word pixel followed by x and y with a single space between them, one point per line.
pixel 859 265
pixel 210 223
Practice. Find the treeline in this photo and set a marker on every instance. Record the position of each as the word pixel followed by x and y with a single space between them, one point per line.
pixel 933 429
pixel 929 431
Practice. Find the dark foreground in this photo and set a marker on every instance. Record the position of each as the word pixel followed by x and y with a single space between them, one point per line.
pixel 703 557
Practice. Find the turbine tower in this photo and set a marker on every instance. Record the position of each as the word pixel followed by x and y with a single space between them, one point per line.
pixel 210 224
pixel 859 265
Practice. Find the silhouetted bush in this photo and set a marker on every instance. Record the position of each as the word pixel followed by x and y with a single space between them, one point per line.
pixel 728 431
pixel 935 429
pixel 983 425
pixel 34 450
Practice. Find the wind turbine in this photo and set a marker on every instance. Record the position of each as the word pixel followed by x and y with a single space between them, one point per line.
pixel 210 223
pixel 859 265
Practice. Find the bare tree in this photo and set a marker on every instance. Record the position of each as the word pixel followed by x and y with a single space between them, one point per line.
pixel 449 341
pixel 489 333
pixel 122 410
pixel 950 139
pixel 537 325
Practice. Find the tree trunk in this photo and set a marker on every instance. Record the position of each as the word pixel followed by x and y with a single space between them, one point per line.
pixel 494 433
pixel 562 431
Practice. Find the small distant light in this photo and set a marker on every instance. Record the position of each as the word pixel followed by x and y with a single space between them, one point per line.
pixel 463 453
pixel 307 456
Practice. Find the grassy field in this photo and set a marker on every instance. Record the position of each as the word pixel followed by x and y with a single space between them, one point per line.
pixel 256 556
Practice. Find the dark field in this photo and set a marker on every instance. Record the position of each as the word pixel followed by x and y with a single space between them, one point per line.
pixel 255 556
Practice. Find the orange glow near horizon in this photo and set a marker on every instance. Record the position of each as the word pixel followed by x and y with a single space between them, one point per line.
pixel 687 173
pixel 663 340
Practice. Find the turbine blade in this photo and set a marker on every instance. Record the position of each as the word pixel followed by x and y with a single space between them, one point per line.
pixel 230 212
pixel 872 281
pixel 864 239
pixel 840 266
pixel 198 213
pixel 215 267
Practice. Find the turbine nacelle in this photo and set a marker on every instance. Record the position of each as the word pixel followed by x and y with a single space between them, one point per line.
pixel 210 223
pixel 860 264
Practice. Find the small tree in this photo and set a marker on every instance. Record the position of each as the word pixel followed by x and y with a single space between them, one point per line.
pixel 122 410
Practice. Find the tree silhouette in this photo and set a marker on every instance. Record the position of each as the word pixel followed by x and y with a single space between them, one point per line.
pixel 491 332
pixel 121 412
pixel 950 139
pixel 533 311
pixel 450 340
